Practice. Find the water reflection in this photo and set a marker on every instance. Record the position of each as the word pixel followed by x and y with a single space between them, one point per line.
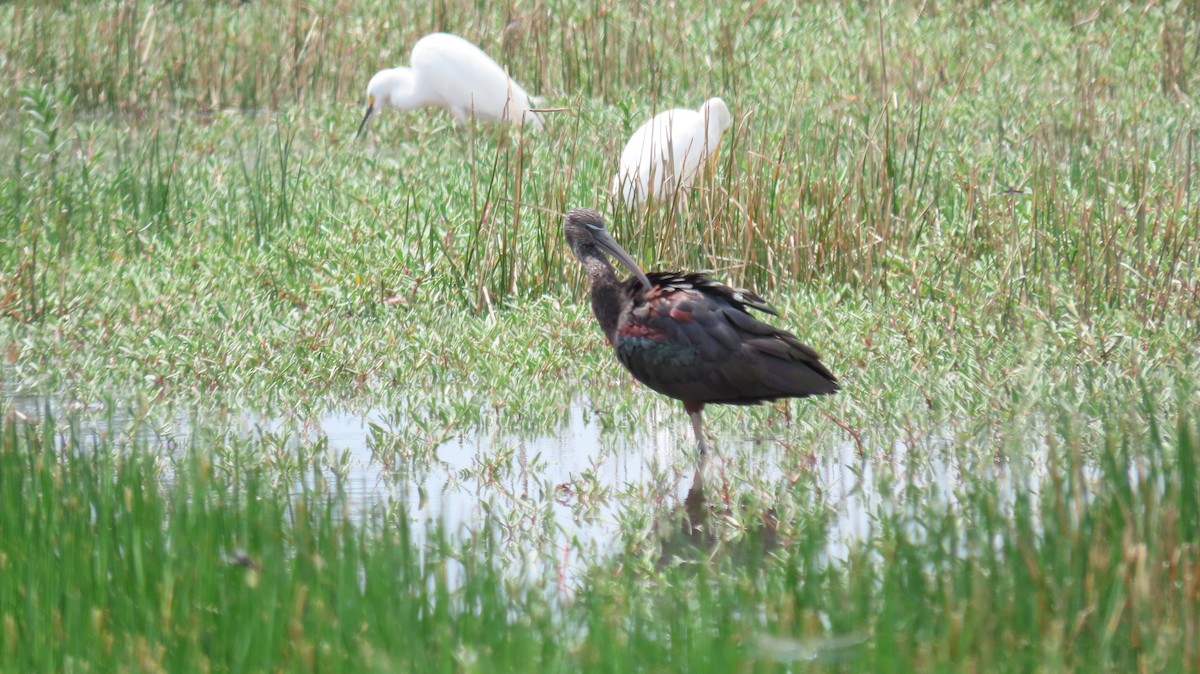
pixel 583 489
pixel 702 527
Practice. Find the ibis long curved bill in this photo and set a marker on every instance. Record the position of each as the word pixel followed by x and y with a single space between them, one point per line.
pixel 602 239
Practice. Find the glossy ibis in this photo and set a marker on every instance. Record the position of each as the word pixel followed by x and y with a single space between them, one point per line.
pixel 689 337
pixel 449 72
pixel 666 153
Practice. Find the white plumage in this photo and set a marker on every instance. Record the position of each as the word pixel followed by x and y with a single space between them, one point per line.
pixel 666 153
pixel 449 72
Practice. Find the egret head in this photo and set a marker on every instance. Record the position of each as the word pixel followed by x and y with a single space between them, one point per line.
pixel 717 118
pixel 380 92
pixel 588 238
pixel 372 99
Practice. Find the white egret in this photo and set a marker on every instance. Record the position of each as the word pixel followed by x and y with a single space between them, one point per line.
pixel 449 72
pixel 665 154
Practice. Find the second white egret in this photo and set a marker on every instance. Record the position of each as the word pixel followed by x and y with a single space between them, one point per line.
pixel 449 72
pixel 666 153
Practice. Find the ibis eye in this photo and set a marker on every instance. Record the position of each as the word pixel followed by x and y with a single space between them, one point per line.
pixel 594 227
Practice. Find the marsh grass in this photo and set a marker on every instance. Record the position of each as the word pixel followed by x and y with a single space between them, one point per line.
pixel 878 147
pixel 982 215
pixel 1089 563
pixel 218 568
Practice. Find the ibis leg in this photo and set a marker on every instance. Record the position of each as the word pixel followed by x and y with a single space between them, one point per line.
pixel 695 411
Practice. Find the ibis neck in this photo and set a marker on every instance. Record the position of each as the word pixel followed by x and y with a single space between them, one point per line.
pixel 606 294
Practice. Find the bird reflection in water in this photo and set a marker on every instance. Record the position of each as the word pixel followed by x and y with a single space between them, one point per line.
pixel 704 525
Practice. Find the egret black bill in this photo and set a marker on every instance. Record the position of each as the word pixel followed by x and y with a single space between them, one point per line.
pixel 363 125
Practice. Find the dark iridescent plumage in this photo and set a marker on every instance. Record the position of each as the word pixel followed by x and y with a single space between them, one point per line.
pixel 689 337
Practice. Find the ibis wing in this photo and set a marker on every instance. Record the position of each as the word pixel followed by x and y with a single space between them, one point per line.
pixel 779 344
pixel 690 343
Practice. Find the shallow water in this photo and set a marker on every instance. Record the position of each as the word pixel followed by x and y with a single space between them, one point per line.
pixel 565 496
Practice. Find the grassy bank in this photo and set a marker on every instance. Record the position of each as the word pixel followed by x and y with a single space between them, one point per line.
pixel 172 227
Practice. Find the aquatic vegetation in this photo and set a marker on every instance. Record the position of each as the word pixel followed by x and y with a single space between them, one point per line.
pixel 982 215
